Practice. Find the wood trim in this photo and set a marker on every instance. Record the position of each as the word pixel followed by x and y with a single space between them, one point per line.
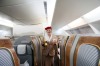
pixel 99 63
pixel 16 59
pixel 40 49
pixel 68 49
pixel 62 45
pixel 6 43
pixel 86 40
pixel 36 61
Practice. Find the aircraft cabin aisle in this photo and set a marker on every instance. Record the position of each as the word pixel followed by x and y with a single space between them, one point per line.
pixel 49 32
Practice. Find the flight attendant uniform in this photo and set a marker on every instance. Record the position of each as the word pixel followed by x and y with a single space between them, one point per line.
pixel 48 50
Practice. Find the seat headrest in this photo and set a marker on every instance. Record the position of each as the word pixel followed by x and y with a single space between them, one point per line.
pixel 21 49
pixel 25 42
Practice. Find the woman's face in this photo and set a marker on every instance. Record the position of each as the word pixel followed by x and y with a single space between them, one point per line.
pixel 49 31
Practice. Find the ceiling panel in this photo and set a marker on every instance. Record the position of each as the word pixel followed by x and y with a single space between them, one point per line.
pixel 14 2
pixel 26 11
pixel 67 11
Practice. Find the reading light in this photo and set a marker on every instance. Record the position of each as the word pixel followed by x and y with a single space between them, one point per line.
pixel 6 22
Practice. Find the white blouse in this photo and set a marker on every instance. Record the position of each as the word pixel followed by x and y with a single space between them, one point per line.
pixel 47 38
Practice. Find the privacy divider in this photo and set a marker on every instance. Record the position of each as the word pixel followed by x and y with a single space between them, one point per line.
pixel 68 49
pixel 62 45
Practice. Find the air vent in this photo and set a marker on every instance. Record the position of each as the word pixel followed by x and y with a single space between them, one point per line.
pixel 45 6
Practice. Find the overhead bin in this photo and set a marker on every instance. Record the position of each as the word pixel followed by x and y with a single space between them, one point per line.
pixel 85 29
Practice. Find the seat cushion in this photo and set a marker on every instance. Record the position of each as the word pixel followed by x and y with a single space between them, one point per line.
pixel 25 58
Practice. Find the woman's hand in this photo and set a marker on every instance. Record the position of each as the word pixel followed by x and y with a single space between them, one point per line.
pixel 54 41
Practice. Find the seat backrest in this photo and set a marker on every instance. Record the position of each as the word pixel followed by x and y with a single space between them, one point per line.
pixel 23 40
pixel 88 55
pixel 6 43
pixel 87 51
pixel 25 53
pixel 25 44
pixel 6 58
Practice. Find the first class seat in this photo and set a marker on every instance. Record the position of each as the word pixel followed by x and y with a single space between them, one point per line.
pixel 87 51
pixel 25 54
pixel 32 45
pixel 83 50
pixel 8 55
pixel 6 59
pixel 88 55
pixel 24 50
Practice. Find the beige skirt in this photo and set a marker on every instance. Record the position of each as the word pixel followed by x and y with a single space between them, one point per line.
pixel 47 61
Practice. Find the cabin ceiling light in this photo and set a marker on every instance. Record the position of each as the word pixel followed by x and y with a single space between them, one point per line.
pixel 6 22
pixel 92 16
pixel 45 0
pixel 76 23
pixel 65 28
pixel 4 32
pixel 58 32
pixel 50 10
pixel 73 24
pixel 45 24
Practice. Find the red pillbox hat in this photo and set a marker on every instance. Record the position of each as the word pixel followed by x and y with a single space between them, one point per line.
pixel 49 27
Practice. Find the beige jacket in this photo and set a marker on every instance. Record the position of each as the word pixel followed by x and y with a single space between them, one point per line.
pixel 49 48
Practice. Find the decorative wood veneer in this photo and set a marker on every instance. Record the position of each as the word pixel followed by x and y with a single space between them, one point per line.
pixel 68 49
